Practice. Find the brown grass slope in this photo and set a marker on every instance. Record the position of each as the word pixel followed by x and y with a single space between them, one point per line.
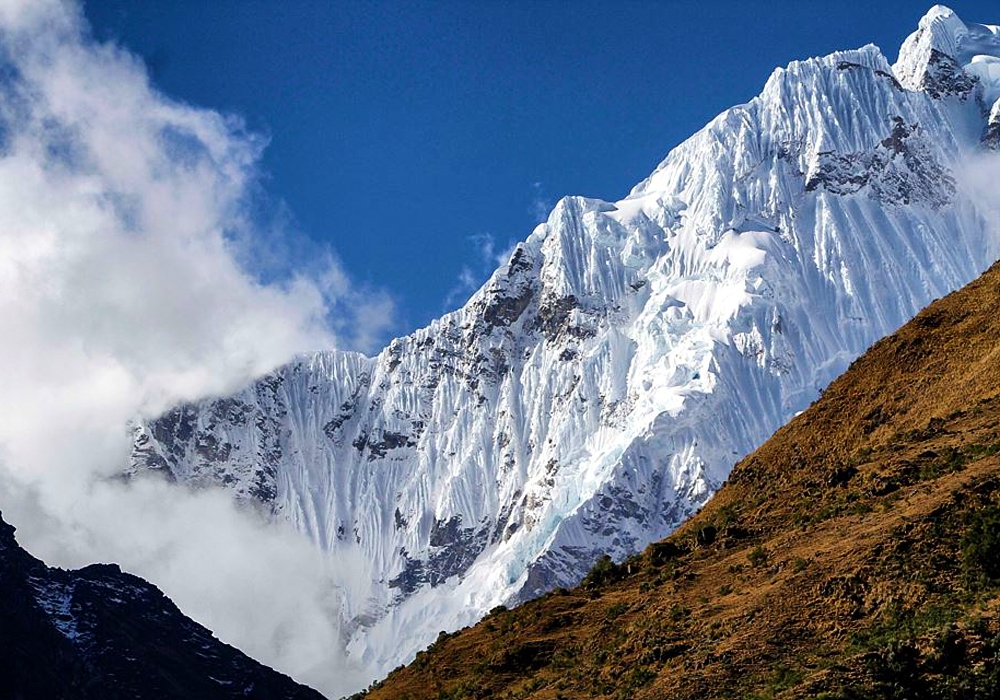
pixel 855 554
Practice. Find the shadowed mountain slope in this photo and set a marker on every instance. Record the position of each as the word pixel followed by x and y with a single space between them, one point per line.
pixel 99 633
pixel 855 554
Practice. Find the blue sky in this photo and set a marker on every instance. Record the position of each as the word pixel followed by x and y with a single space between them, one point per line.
pixel 420 139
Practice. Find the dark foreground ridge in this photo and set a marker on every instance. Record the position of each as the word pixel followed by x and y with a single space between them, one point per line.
pixel 856 554
pixel 103 634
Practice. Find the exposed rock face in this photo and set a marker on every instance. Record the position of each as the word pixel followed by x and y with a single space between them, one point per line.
pixel 601 385
pixel 103 634
pixel 991 138
pixel 901 169
pixel 945 78
pixel 453 549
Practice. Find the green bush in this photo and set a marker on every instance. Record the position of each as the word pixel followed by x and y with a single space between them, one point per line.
pixel 705 535
pixel 616 610
pixel 757 556
pixel 981 547
pixel 604 571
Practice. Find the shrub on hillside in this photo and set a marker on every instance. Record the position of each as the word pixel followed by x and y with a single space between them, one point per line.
pixel 981 547
pixel 604 571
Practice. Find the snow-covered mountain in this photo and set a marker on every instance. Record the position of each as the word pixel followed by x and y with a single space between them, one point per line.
pixel 600 386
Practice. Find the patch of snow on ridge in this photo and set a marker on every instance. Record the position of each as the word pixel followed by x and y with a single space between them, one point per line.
pixel 56 599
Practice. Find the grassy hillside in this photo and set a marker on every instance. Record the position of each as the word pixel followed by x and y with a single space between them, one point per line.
pixel 856 554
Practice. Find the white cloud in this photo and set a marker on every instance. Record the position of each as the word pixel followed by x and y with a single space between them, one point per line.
pixel 466 283
pixel 540 204
pixel 127 251
pixel 977 176
pixel 486 258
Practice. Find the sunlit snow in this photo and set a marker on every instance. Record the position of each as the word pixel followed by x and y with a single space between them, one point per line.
pixel 597 390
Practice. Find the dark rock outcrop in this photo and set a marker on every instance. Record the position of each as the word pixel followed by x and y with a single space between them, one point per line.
pixel 99 633
pixel 899 171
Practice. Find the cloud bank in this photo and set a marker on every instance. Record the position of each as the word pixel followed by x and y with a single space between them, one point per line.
pixel 977 176
pixel 134 275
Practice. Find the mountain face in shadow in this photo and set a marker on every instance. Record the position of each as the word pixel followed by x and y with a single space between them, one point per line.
pixel 101 633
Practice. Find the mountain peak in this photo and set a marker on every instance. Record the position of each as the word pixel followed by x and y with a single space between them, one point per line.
pixel 947 56
pixel 942 17
pixel 605 380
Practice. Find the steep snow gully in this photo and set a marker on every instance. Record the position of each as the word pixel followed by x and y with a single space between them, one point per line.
pixel 601 385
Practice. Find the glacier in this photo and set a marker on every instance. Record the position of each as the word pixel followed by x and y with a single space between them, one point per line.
pixel 599 387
